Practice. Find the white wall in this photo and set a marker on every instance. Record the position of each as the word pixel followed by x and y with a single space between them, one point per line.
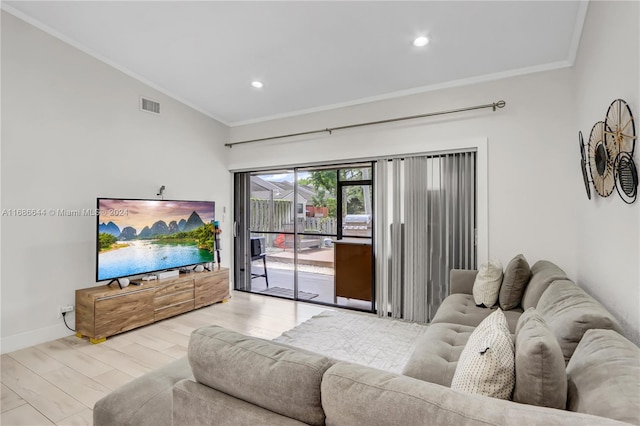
pixel 531 153
pixel 537 204
pixel 72 132
pixel 608 244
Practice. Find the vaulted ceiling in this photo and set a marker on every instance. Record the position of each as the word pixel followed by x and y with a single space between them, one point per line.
pixel 311 55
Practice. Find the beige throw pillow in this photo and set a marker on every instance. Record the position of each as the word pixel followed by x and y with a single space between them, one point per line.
pixel 487 284
pixel 541 378
pixel 486 364
pixel 515 280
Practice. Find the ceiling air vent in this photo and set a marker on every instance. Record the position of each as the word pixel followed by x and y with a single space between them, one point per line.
pixel 149 105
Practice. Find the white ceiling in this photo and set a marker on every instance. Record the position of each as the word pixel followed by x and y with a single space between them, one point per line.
pixel 311 55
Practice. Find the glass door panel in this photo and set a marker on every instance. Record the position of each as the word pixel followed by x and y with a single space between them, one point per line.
pixel 356 211
pixel 317 228
pixel 272 215
pixel 296 224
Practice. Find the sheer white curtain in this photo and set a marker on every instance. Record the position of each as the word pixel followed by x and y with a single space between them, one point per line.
pixel 426 216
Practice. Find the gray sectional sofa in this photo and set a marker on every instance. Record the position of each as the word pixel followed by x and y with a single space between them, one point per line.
pixel 232 379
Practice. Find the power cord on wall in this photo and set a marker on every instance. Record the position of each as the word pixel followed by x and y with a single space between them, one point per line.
pixel 64 318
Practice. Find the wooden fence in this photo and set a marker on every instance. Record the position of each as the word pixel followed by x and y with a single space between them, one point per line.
pixel 266 219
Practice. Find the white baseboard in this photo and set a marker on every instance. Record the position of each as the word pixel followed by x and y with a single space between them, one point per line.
pixel 33 337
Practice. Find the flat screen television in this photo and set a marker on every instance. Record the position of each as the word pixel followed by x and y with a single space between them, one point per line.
pixel 135 237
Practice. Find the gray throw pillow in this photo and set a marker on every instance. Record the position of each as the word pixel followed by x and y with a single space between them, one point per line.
pixel 516 278
pixel 540 370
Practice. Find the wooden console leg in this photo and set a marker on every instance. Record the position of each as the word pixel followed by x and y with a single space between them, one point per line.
pixel 96 341
pixel 78 335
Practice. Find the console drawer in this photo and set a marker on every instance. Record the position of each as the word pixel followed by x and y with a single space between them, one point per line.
pixel 171 310
pixel 115 314
pixel 174 288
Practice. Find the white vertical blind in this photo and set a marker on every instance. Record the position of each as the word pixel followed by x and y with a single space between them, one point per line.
pixel 431 224
pixel 382 247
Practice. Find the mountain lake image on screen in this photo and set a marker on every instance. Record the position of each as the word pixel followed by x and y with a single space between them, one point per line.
pixel 141 236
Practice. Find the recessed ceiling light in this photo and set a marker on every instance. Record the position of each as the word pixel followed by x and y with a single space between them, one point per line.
pixel 421 41
pixel 257 84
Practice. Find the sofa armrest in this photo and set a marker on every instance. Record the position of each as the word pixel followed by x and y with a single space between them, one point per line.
pixel 461 281
pixel 145 401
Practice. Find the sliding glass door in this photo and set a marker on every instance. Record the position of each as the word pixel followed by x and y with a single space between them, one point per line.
pixel 291 226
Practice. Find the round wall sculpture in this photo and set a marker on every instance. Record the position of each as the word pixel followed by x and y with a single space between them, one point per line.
pixel 609 154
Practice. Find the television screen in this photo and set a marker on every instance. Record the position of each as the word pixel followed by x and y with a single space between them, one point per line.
pixel 141 236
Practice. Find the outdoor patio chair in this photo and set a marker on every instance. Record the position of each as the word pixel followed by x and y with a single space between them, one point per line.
pixel 258 251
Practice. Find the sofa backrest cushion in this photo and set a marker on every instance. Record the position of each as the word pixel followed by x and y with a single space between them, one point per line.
pixel 540 369
pixel 278 378
pixel 570 312
pixel 543 273
pixel 358 395
pixel 515 280
pixel 604 377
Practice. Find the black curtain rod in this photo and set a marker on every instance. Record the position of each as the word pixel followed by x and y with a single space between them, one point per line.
pixel 494 106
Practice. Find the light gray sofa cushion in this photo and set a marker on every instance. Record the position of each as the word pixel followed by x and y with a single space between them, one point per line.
pixel 280 379
pixel 543 273
pixel 540 369
pixel 358 395
pixel 437 351
pixel 145 401
pixel 461 309
pixel 514 282
pixel 195 404
pixel 604 377
pixel 569 312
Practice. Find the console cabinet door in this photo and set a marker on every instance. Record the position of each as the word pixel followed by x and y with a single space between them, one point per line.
pixel 118 313
pixel 211 289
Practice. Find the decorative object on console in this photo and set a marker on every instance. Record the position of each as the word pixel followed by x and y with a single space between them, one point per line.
pixel 122 282
pixel 486 287
pixel 610 154
pixel 216 239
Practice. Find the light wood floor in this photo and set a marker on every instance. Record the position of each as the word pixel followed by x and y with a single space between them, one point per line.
pixel 58 382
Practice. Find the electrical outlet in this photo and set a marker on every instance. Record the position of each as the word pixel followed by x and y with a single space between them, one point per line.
pixel 64 309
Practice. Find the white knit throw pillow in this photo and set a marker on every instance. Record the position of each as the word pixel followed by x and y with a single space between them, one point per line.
pixel 486 287
pixel 487 362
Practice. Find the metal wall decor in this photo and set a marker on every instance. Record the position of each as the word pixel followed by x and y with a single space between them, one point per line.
pixel 610 154
pixel 583 165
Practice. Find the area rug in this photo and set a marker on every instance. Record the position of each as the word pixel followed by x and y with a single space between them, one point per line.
pixel 287 292
pixel 365 339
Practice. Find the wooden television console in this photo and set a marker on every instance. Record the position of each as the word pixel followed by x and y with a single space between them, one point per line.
pixel 103 311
